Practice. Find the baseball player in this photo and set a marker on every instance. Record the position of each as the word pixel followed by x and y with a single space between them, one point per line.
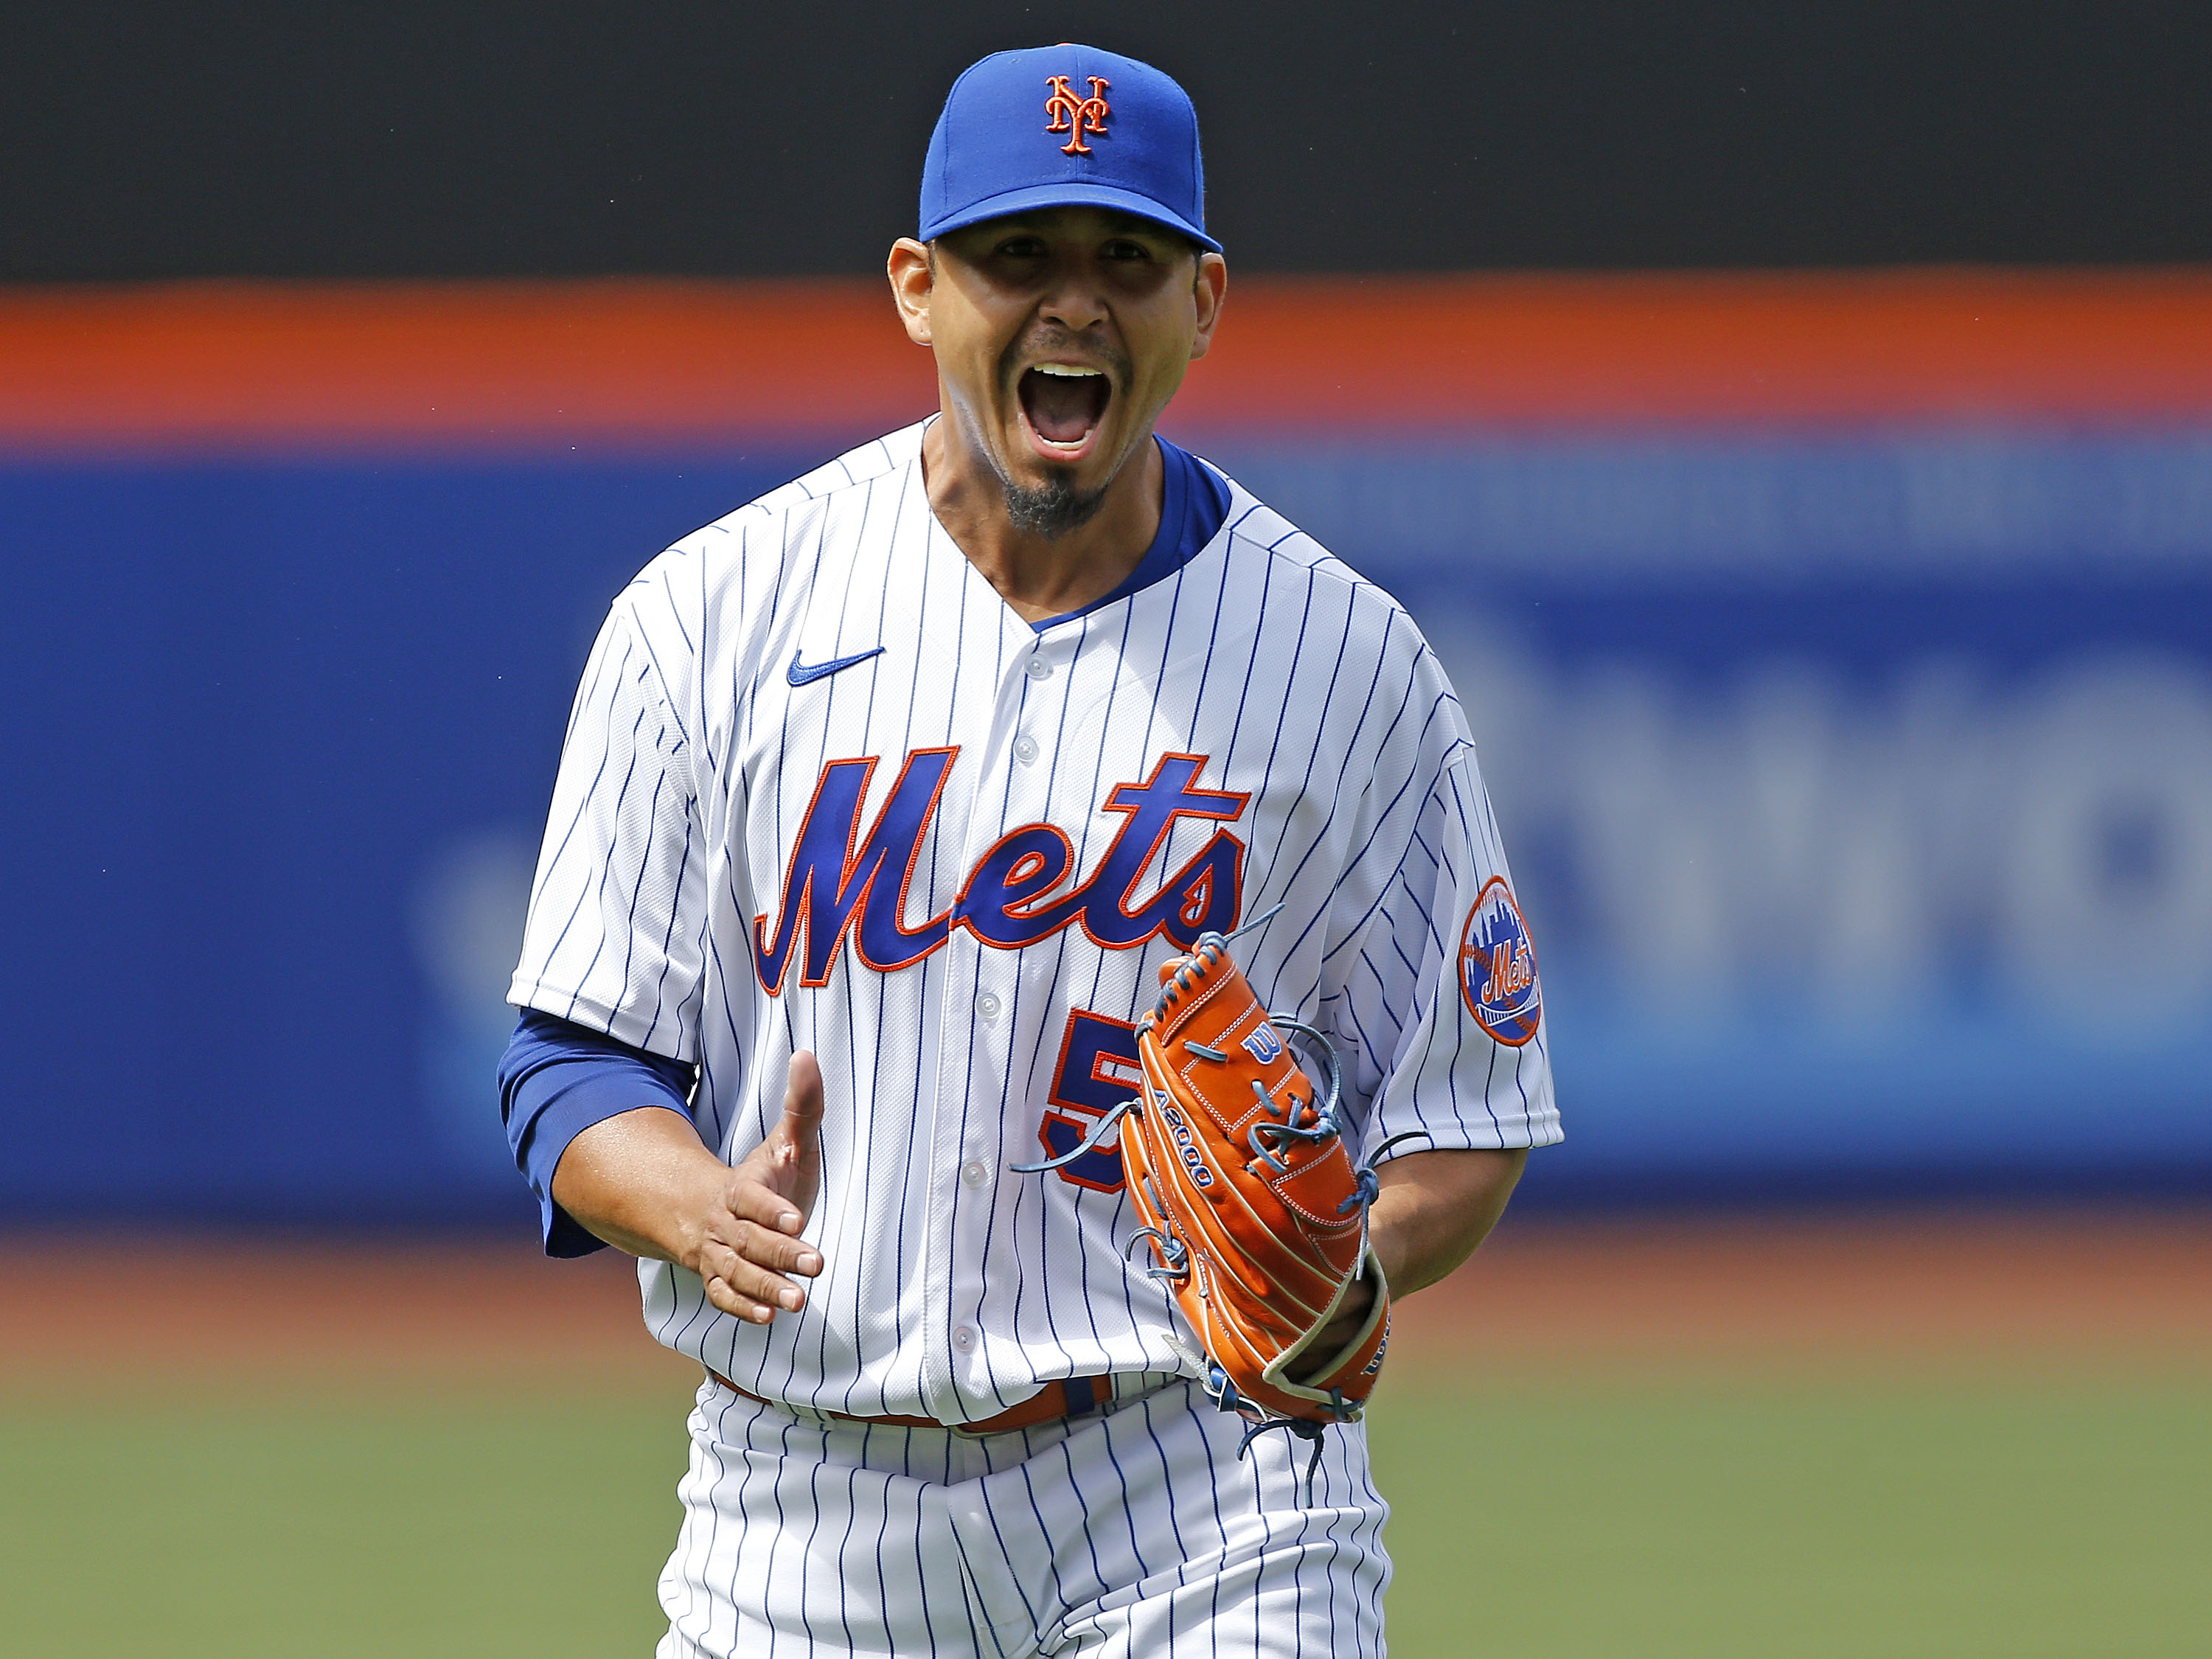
pixel 884 800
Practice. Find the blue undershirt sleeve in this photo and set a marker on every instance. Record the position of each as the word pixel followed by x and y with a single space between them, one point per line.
pixel 556 1080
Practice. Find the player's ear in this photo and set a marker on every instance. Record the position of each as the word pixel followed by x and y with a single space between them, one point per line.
pixel 1207 286
pixel 912 268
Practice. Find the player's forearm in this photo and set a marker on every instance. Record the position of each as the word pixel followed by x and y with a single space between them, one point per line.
pixel 1435 1208
pixel 641 1181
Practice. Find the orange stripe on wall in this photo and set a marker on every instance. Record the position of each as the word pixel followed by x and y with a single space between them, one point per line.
pixel 1797 348
pixel 533 365
pixel 542 365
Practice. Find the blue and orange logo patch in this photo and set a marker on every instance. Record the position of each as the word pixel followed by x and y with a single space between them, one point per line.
pixel 1497 967
pixel 1076 116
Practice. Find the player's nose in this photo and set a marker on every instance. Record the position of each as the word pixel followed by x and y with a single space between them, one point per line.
pixel 1074 295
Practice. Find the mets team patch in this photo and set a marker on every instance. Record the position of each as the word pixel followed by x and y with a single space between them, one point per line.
pixel 1497 967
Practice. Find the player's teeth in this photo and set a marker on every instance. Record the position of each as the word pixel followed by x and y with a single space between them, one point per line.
pixel 1068 371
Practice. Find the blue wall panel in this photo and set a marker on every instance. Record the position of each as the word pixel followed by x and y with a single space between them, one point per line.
pixel 1860 792
pixel 260 714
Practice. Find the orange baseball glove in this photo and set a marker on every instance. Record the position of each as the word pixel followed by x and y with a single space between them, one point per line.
pixel 1255 1209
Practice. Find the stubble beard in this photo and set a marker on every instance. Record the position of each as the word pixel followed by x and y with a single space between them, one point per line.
pixel 1053 510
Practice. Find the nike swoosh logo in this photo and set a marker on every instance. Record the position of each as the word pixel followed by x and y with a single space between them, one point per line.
pixel 807 673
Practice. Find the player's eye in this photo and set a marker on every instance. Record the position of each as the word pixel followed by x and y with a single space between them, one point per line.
pixel 1123 248
pixel 1022 247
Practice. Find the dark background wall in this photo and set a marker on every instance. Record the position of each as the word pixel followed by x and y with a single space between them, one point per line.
pixel 428 137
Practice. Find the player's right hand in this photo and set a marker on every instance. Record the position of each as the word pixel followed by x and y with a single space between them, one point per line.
pixel 751 1242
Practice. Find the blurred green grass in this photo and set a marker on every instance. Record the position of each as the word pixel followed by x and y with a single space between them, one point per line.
pixel 1867 1521
pixel 1770 1520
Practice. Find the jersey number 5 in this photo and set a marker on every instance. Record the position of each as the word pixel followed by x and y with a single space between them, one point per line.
pixel 1098 1070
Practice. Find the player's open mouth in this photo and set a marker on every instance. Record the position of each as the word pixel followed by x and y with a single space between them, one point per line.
pixel 1063 404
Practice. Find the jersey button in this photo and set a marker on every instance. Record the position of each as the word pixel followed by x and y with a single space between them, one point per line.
pixel 1025 750
pixel 1037 669
pixel 987 1005
pixel 973 1173
pixel 964 1339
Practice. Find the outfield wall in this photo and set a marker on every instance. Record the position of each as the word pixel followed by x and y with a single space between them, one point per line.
pixel 1839 649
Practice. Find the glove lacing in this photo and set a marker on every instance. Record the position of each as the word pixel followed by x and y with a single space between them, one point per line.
pixel 1268 1139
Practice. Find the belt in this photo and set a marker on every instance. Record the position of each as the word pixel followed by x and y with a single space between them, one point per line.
pixel 1069 1396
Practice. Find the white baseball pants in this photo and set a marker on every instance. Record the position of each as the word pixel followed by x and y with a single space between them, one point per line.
pixel 1135 1532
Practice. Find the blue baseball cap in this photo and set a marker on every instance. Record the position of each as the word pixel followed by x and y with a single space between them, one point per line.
pixel 1065 126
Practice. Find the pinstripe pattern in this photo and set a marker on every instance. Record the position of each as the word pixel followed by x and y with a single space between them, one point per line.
pixel 953 1288
pixel 1134 1532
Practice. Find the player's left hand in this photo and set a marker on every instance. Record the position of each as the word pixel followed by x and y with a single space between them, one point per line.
pixel 751 1241
pixel 1432 1211
pixel 1358 1298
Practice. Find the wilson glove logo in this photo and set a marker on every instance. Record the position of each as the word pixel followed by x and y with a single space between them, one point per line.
pixel 1497 967
pixel 1263 1045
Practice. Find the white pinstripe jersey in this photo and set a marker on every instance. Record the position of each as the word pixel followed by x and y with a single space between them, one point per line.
pixel 952 866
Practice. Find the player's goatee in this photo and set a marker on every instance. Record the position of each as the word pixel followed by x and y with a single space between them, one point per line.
pixel 1053 511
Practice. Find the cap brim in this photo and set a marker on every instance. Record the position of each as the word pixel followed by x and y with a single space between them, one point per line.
pixel 1033 197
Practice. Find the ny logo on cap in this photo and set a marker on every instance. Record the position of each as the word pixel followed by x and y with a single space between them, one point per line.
pixel 1076 116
